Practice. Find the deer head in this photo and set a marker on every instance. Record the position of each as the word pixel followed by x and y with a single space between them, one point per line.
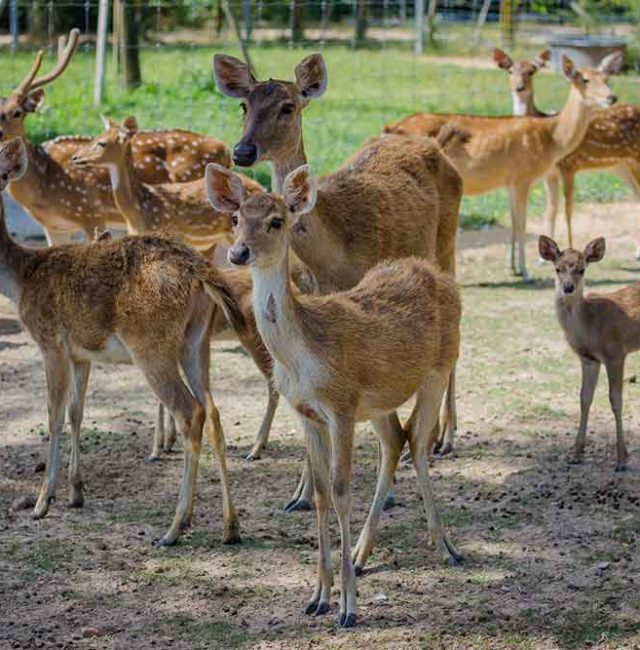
pixel 111 147
pixel 570 264
pixel 261 222
pixel 272 109
pixel 521 73
pixel 28 95
pixel 592 83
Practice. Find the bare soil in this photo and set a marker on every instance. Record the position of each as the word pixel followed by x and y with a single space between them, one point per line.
pixel 551 549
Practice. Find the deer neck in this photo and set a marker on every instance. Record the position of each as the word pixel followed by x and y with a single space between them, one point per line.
pixel 282 167
pixel 522 108
pixel 569 309
pixel 27 190
pixel 126 191
pixel 570 125
pixel 13 260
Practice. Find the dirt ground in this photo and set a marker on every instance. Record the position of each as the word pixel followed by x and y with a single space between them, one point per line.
pixel 551 549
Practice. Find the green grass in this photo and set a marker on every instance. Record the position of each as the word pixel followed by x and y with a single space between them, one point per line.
pixel 367 89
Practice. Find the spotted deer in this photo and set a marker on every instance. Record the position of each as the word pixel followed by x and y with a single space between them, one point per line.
pixel 514 152
pixel 73 199
pixel 344 357
pixel 146 300
pixel 395 197
pixel 601 328
pixel 610 142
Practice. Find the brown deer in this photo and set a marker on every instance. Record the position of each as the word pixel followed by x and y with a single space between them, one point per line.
pixel 145 300
pixel 345 357
pixel 600 328
pixel 65 199
pixel 611 142
pixel 514 152
pixel 395 197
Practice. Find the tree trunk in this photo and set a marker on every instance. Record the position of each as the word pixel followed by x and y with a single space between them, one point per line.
pixel 130 45
pixel 37 18
pixel 361 22
pixel 297 30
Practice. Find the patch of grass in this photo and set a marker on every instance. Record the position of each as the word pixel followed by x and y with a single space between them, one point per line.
pixel 219 632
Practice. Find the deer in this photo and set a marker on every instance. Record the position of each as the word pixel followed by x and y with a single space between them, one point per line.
pixel 72 199
pixel 344 357
pixel 183 211
pixel 395 197
pixel 514 152
pixel 609 143
pixel 601 328
pixel 146 300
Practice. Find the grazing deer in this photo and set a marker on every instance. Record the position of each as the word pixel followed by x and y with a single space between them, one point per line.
pixel 610 142
pixel 514 152
pixel 346 357
pixel 179 209
pixel 395 197
pixel 144 300
pixel 601 328
pixel 65 199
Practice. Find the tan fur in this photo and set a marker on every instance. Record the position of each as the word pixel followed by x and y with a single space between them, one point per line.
pixel 65 199
pixel 600 328
pixel 146 300
pixel 514 152
pixel 350 356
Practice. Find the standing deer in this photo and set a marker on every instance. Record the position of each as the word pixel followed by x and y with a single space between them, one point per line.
pixel 144 300
pixel 514 152
pixel 396 197
pixel 600 328
pixel 346 357
pixel 65 199
pixel 610 142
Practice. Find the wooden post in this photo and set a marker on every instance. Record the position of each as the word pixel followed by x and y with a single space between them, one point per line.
pixel 419 36
pixel 295 21
pixel 13 24
pixel 101 52
pixel 246 16
pixel 130 44
pixel 361 22
pixel 431 21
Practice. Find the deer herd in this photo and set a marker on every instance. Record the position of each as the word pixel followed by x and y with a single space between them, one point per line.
pixel 341 289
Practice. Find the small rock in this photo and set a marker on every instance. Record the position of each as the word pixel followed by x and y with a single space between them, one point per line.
pixel 380 598
pixel 90 632
pixel 602 566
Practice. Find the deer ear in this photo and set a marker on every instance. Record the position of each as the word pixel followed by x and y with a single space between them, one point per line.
pixel 130 125
pixel 299 190
pixel 33 101
pixel 542 59
pixel 233 77
pixel 311 76
pixel 569 69
pixel 502 59
pixel 594 250
pixel 612 63
pixel 225 190
pixel 13 159
pixel 548 249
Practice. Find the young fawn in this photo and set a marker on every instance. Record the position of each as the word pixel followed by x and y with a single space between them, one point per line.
pixel 143 300
pixel 345 357
pixel 600 328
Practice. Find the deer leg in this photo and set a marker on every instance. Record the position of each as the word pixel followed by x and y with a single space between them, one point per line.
pixel 568 184
pixel 590 372
pixel 519 196
pixel 171 435
pixel 158 433
pixel 80 374
pixel 341 431
pixel 301 499
pixel 445 432
pixel 56 365
pixel 391 426
pixel 319 452
pixel 392 441
pixel 552 191
pixel 263 433
pixel 428 402
pixel 615 371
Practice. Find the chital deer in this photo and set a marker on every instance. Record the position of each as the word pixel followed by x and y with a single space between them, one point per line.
pixel 514 152
pixel 146 300
pixel 600 328
pixel 611 142
pixel 395 197
pixel 347 357
pixel 65 199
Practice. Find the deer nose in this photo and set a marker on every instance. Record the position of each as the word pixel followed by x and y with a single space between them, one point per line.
pixel 568 288
pixel 612 99
pixel 239 255
pixel 520 88
pixel 245 154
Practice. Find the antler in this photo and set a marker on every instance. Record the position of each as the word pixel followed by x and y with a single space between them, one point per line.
pixel 65 51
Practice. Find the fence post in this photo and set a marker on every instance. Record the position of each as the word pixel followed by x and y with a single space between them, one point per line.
pixel 101 52
pixel 419 37
pixel 13 24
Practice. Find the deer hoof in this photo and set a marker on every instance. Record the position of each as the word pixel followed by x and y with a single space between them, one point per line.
pixel 348 620
pixel 298 505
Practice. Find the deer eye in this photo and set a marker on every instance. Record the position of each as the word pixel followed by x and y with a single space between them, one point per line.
pixel 287 109
pixel 16 114
pixel 244 108
pixel 585 80
pixel 275 223
pixel 5 176
pixel 581 272
pixel 234 220
pixel 102 144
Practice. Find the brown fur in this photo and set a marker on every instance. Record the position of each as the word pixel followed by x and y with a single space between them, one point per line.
pixel 513 152
pixel 600 328
pixel 346 357
pixel 147 300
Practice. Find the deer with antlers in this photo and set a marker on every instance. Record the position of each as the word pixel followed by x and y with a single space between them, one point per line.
pixel 610 142
pixel 600 328
pixel 514 152
pixel 395 197
pixel 145 300
pixel 346 357
pixel 65 199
